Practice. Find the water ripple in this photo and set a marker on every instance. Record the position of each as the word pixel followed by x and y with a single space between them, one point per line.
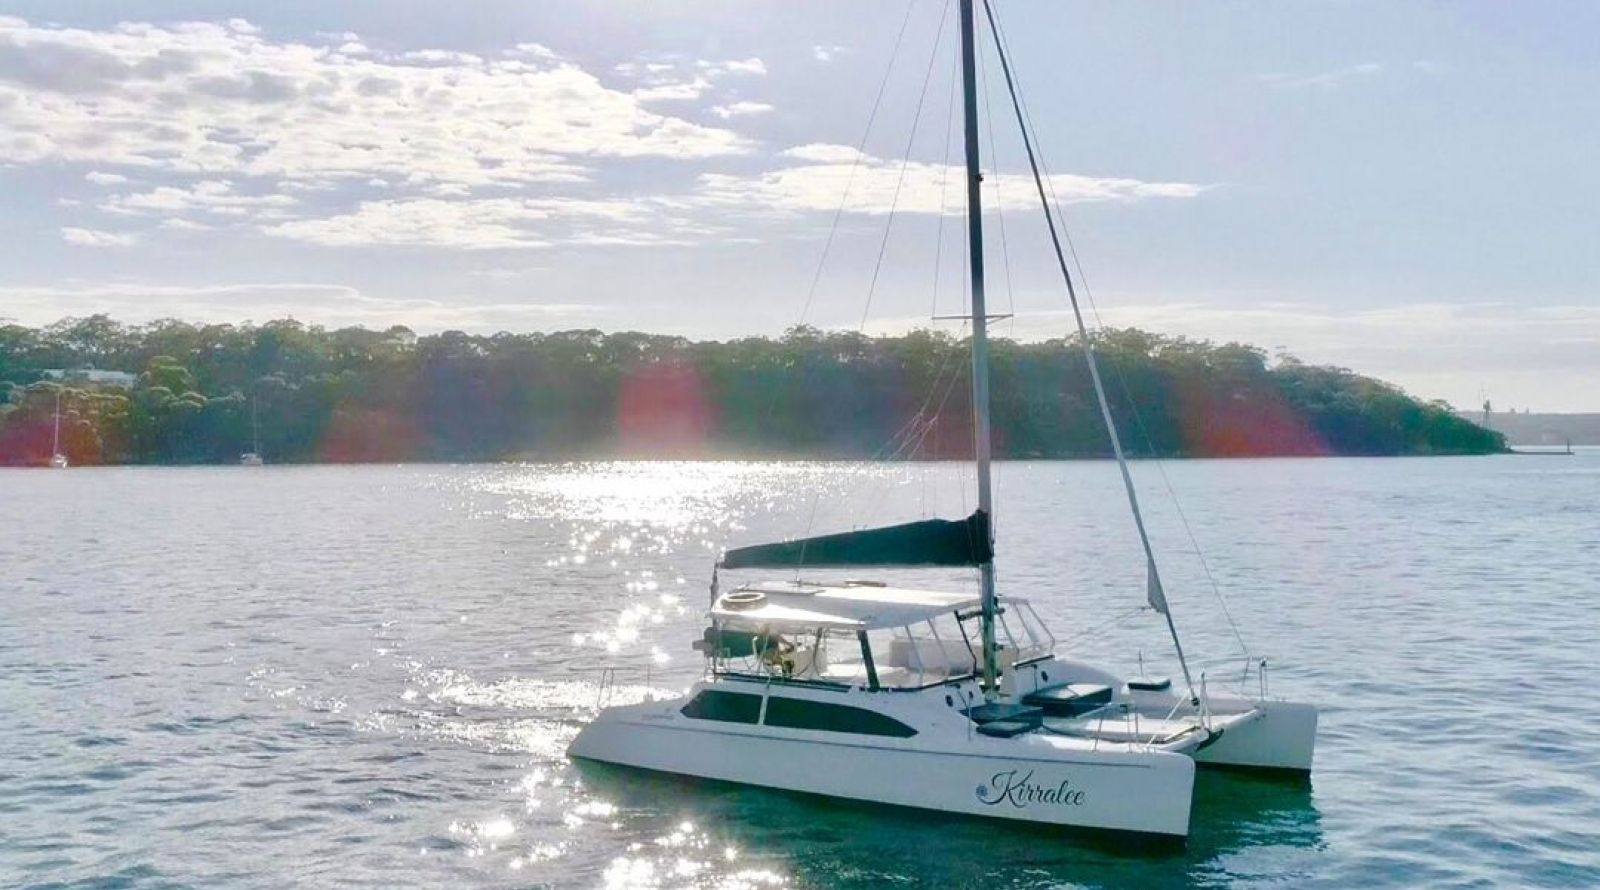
pixel 367 676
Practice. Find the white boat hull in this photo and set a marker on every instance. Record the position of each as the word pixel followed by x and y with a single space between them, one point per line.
pixel 1284 737
pixel 1035 779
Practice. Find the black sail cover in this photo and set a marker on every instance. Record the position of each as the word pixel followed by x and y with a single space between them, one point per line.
pixel 931 542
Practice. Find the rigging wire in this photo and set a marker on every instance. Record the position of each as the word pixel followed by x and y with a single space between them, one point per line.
pixel 938 251
pixel 838 213
pixel 905 163
pixel 1154 592
pixel 944 178
pixel 997 30
pixel 855 163
pixel 1005 245
pixel 999 199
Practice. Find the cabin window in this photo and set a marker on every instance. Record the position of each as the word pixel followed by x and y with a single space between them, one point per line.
pixel 729 707
pixel 798 713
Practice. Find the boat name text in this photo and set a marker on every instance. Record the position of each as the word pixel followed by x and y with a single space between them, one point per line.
pixel 1021 790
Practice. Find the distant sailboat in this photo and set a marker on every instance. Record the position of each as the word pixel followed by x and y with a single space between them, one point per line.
pixel 58 461
pixel 252 458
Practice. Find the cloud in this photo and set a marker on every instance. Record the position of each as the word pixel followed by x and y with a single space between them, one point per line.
pixel 877 186
pixel 498 223
pixel 826 53
pixel 670 77
pixel 212 196
pixel 825 153
pixel 334 305
pixel 740 109
pixel 752 65
pixel 1326 80
pixel 221 98
pixel 96 237
pixel 686 91
pixel 236 130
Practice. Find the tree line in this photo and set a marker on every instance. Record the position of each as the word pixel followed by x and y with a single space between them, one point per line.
pixel 354 394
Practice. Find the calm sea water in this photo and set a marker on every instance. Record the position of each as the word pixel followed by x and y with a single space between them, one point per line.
pixel 367 676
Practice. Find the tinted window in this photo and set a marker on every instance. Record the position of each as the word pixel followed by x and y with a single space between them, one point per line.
pixel 731 707
pixel 797 713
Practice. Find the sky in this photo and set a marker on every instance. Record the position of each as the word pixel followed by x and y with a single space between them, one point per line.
pixel 1405 189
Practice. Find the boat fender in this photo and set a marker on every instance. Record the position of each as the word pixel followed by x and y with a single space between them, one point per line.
pixel 740 600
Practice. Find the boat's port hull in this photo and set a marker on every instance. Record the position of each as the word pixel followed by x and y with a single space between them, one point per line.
pixel 1281 736
pixel 1283 739
pixel 1135 791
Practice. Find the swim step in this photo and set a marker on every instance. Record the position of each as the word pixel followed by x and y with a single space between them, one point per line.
pixel 1069 699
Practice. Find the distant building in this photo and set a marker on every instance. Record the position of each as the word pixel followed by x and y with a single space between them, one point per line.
pixel 91 375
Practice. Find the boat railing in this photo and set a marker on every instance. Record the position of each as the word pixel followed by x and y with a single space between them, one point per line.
pixel 613 678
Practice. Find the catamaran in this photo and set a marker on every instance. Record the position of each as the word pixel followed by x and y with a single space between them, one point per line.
pixel 947 701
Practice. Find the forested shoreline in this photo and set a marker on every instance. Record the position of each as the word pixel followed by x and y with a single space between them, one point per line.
pixel 355 395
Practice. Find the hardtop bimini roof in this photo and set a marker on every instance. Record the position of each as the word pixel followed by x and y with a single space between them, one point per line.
pixel 792 605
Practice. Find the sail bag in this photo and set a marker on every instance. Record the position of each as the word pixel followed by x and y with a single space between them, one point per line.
pixel 930 542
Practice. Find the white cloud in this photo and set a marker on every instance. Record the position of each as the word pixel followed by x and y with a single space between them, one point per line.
pixel 98 178
pixel 1326 80
pixel 823 153
pixel 210 99
pixel 686 91
pixel 751 66
pixel 677 78
pixel 334 305
pixel 96 237
pixel 877 186
pixel 498 223
pixel 827 52
pixel 211 196
pixel 740 109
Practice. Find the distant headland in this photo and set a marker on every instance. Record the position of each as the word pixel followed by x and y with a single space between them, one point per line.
pixel 170 392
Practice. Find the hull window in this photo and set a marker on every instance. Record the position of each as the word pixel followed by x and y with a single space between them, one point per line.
pixel 797 713
pixel 729 707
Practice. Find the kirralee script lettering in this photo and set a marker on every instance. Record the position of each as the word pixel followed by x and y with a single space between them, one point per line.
pixel 1020 791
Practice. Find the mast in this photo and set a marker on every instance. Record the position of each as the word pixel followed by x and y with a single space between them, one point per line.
pixel 55 444
pixel 980 335
pixel 255 429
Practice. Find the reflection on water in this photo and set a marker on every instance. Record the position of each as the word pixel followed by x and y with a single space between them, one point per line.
pixel 830 843
pixel 368 676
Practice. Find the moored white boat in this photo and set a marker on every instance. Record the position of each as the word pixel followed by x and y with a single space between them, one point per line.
pixel 58 460
pixel 253 458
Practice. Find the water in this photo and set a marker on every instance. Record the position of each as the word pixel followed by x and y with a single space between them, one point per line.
pixel 367 676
